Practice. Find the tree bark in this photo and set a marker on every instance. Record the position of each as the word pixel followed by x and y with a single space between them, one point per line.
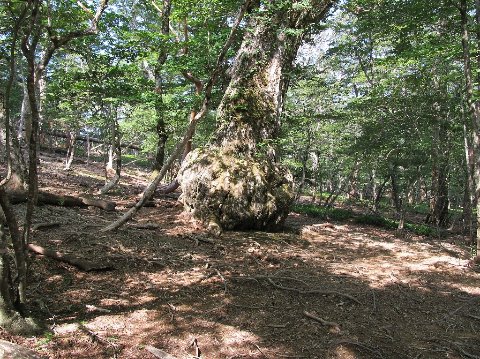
pixel 17 243
pixel 236 183
pixel 473 105
pixel 396 196
pixel 148 192
pixel 439 201
pixel 161 127
pixel 70 150
pixel 45 198
pixel 469 192
pixel 114 151
pixel 81 263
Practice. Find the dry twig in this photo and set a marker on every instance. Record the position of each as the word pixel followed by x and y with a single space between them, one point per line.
pixel 198 238
pixel 96 337
pixel 223 279
pixel 260 350
pixel 335 327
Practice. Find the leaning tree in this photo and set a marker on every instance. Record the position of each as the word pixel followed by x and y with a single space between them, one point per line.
pixel 236 181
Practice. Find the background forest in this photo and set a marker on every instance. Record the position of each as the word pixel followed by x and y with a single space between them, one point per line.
pixel 378 101
pixel 379 124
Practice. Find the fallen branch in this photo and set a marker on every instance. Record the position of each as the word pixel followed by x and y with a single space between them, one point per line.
pixel 149 191
pixel 83 138
pixel 80 263
pixel 223 279
pixel 96 337
pixel 170 188
pixel 458 347
pixel 150 226
pixel 260 350
pixel 473 316
pixel 46 198
pixel 334 326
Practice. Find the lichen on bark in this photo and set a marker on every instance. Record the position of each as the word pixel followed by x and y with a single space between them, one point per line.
pixel 228 191
pixel 236 182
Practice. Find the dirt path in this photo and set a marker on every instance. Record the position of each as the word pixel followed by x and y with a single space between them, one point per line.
pixel 315 291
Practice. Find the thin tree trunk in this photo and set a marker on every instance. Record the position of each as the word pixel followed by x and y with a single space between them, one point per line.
pixel 70 151
pixel 397 200
pixel 160 110
pixel 6 296
pixel 18 246
pixel 473 105
pixel 469 192
pixel 439 202
pixel 16 171
pixel 378 194
pixel 115 149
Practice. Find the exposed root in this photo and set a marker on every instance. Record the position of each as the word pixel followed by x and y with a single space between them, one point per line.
pixel 311 291
pixel 334 327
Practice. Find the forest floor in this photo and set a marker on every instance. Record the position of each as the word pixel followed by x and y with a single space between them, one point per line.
pixel 316 290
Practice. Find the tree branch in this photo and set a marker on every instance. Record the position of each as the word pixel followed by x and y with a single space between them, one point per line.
pixel 150 189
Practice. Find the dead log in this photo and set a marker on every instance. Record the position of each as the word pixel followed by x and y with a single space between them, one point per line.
pixel 45 198
pixel 80 263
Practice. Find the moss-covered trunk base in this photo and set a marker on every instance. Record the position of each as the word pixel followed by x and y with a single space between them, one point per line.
pixel 228 191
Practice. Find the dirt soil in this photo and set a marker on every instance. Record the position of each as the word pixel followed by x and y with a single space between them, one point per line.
pixel 316 290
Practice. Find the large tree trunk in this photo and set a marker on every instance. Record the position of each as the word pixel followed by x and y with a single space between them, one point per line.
pixel 236 182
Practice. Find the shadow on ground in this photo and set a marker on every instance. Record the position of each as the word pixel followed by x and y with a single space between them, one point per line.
pixel 252 294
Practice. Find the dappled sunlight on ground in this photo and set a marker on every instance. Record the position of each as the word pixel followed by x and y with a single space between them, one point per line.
pixel 317 290
pixel 385 261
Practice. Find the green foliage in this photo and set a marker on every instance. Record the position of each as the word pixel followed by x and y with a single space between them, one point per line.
pixel 340 214
pixel 376 220
pixel 47 338
pixel 327 213
pixel 387 223
pixel 369 103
